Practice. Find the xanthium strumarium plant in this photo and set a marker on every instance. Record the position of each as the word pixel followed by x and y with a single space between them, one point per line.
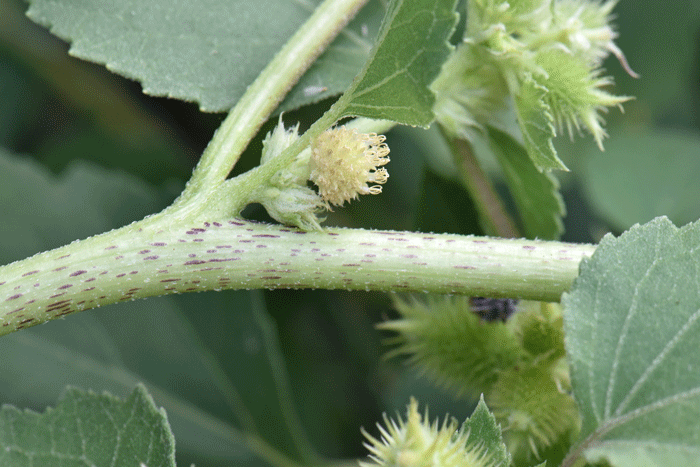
pixel 522 72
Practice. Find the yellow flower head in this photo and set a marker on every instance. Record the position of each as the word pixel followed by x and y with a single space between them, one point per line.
pixel 344 162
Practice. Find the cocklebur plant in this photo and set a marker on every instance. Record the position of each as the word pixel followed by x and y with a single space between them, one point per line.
pixel 537 63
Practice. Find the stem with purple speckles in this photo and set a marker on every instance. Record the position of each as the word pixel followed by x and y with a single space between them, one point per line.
pixel 140 261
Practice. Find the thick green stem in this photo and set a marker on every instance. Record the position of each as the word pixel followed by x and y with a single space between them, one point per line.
pixel 136 262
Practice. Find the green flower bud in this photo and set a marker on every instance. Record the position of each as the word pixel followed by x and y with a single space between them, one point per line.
pixel 285 196
pixel 451 345
pixel 416 442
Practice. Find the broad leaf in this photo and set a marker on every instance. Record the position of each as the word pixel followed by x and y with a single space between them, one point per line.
pixel 536 194
pixel 88 429
pixel 206 51
pixel 644 175
pixel 483 427
pixel 537 125
pixel 411 47
pixel 632 339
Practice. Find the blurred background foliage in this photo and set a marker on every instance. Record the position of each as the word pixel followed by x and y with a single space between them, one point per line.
pixel 85 151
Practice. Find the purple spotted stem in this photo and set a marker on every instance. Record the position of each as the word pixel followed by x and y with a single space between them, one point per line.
pixel 137 262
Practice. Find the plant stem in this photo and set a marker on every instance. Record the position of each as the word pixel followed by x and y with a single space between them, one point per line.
pixel 492 214
pixel 263 97
pixel 136 262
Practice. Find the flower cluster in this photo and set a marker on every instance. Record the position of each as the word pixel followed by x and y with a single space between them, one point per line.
pixel 345 163
pixel 519 366
pixel 557 46
pixel 342 162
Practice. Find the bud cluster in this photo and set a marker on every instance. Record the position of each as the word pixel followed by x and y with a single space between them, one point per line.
pixel 556 45
pixel 342 162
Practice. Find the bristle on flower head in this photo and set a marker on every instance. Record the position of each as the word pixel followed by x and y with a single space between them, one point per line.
pixel 345 162
pixel 415 442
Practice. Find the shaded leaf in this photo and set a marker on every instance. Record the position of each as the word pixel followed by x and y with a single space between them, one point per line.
pixel 644 175
pixel 537 125
pixel 664 57
pixel 536 194
pixel 445 207
pixel 207 51
pixel 483 427
pixel 411 47
pixel 632 334
pixel 88 429
pixel 41 210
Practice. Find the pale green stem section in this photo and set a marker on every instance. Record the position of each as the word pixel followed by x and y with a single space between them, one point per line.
pixel 137 262
pixel 263 97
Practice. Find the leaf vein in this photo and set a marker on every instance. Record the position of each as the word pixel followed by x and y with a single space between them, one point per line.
pixel 658 360
pixel 631 312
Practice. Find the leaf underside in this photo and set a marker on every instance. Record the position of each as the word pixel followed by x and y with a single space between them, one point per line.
pixel 632 339
pixel 208 51
pixel 88 429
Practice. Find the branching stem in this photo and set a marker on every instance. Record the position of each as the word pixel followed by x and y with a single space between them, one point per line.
pixel 262 98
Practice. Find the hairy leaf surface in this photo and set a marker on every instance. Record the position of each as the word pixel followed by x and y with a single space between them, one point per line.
pixel 411 47
pixel 207 51
pixel 88 429
pixel 537 125
pixel 632 338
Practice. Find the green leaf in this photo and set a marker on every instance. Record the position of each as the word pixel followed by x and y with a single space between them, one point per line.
pixel 632 339
pixel 644 175
pixel 41 210
pixel 536 194
pixel 483 427
pixel 207 51
pixel 537 125
pixel 247 365
pixel 411 47
pixel 88 429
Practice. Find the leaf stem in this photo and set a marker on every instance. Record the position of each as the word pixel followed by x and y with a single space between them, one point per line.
pixel 263 97
pixel 163 258
pixel 492 214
